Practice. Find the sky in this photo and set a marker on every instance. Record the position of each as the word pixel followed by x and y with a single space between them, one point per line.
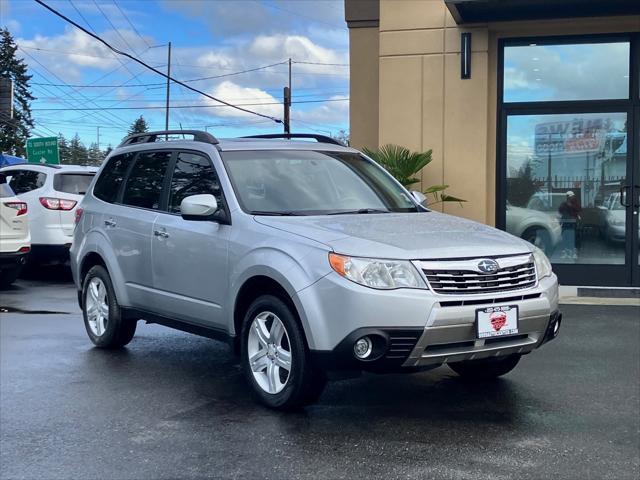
pixel 81 85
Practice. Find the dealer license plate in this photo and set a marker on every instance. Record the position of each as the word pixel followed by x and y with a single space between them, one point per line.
pixel 497 321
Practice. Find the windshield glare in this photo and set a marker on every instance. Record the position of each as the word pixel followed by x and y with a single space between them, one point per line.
pixel 303 182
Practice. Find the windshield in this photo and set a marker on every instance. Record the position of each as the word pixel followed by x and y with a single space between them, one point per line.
pixel 303 182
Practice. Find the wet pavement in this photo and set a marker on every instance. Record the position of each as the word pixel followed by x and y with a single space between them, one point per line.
pixel 173 405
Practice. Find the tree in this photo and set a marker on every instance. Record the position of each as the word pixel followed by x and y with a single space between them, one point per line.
pixel 77 152
pixel 404 165
pixel 343 137
pixel 15 132
pixel 63 148
pixel 139 126
pixel 94 155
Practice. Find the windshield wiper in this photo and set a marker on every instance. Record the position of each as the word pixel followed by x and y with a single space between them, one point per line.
pixel 360 212
pixel 277 214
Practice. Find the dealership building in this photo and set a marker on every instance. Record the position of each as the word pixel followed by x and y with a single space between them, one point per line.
pixel 531 108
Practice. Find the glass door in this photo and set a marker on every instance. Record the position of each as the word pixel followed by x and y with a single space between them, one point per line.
pixel 568 170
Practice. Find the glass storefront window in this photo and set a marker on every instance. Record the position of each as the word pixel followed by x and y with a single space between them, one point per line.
pixel 581 71
pixel 564 177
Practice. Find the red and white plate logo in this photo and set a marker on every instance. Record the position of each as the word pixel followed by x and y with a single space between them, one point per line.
pixel 498 320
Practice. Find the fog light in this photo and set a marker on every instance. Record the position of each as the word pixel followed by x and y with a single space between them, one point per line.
pixel 363 347
pixel 556 327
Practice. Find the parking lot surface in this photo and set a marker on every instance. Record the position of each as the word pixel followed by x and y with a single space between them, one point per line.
pixel 173 405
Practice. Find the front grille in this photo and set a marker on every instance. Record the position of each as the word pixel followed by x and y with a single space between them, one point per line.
pixel 464 280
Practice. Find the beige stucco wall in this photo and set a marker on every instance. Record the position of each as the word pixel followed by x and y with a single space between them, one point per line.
pixel 424 104
pixel 363 82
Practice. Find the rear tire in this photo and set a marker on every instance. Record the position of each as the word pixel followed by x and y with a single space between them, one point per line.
pixel 485 369
pixel 103 318
pixel 275 358
pixel 7 277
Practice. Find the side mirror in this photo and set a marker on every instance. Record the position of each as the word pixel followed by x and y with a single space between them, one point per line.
pixel 419 197
pixel 198 207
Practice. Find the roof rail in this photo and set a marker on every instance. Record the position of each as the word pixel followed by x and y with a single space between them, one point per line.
pixel 151 137
pixel 289 136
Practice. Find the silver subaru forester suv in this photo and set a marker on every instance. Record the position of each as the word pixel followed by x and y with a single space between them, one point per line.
pixel 307 257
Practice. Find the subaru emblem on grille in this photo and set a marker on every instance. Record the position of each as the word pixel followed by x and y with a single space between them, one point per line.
pixel 488 266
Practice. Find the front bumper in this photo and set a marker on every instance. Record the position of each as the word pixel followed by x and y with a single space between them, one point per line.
pixel 418 328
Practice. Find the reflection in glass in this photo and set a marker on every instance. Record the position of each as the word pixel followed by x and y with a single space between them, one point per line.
pixel 586 71
pixel 564 175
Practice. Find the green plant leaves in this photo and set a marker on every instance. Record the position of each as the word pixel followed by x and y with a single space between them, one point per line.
pixel 404 165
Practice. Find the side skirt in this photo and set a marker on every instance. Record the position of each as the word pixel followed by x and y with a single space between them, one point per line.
pixel 202 331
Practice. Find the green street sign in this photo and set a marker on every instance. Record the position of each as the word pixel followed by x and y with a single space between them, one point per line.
pixel 43 150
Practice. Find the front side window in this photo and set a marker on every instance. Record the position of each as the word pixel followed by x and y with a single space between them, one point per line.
pixel 144 184
pixel 304 182
pixel 23 181
pixel 193 175
pixel 108 184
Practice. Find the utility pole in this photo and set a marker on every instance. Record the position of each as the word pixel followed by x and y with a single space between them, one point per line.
pixel 287 104
pixel 98 127
pixel 166 117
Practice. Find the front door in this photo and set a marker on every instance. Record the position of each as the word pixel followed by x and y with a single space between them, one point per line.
pixel 189 257
pixel 568 162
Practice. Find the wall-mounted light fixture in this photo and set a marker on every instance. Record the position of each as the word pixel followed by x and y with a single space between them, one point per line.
pixel 465 55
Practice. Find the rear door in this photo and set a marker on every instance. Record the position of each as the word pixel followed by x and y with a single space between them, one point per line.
pixel 129 223
pixel 190 264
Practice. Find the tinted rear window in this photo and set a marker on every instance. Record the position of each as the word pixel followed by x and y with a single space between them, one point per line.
pixel 23 181
pixel 145 181
pixel 77 183
pixel 108 184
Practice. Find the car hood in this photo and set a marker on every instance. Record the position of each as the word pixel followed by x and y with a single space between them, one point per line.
pixel 414 236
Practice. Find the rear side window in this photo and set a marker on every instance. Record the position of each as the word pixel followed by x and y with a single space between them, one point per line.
pixel 23 181
pixel 108 184
pixel 193 175
pixel 77 183
pixel 146 178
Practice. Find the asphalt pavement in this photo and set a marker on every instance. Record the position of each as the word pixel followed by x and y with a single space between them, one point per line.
pixel 173 405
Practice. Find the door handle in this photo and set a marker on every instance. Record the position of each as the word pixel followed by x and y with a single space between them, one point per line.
pixel 161 233
pixel 110 223
pixel 624 191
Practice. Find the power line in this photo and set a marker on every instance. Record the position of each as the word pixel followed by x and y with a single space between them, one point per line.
pixel 154 107
pixel 132 25
pixel 162 84
pixel 321 63
pixel 164 75
pixel 114 28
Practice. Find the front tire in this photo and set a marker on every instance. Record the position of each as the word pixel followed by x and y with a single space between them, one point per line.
pixel 485 369
pixel 275 357
pixel 103 318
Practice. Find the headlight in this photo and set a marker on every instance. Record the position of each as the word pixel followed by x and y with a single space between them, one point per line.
pixel 543 265
pixel 381 274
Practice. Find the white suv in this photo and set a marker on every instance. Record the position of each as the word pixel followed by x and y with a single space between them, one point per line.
pixel 15 241
pixel 52 193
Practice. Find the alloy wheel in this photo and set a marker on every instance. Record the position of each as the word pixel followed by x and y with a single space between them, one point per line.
pixel 269 352
pixel 97 306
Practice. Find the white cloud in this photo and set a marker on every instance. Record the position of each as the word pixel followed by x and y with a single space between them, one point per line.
pixel 333 113
pixel 232 93
pixel 68 53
